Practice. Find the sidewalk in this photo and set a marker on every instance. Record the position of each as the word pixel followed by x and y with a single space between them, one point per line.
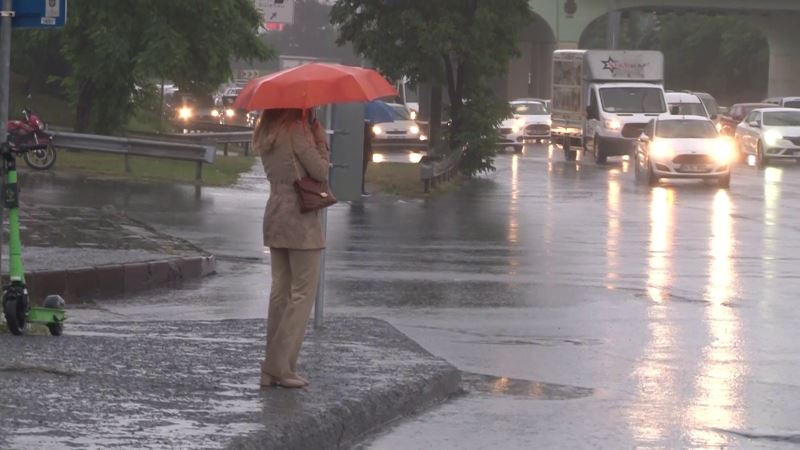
pixel 184 383
pixel 84 253
pixel 194 384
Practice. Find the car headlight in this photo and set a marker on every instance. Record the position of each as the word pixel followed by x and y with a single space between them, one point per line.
pixel 549 122
pixel 612 124
pixel 377 158
pixel 515 128
pixel 185 113
pixel 772 137
pixel 413 115
pixel 661 150
pixel 422 137
pixel 719 127
pixel 214 113
pixel 229 112
pixel 377 130
pixel 415 157
pixel 723 151
pixel 413 129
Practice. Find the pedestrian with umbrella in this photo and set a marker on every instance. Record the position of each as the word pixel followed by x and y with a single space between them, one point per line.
pixel 293 146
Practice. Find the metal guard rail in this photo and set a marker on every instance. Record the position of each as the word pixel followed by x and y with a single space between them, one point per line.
pixel 434 170
pixel 243 138
pixel 139 147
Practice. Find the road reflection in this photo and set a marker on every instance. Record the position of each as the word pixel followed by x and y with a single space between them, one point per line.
pixel 773 177
pixel 613 230
pixel 662 227
pixel 649 417
pixel 718 386
pixel 513 217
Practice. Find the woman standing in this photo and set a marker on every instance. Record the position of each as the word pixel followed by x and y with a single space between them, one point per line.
pixel 290 148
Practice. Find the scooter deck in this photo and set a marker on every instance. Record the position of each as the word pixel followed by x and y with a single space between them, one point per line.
pixel 46 315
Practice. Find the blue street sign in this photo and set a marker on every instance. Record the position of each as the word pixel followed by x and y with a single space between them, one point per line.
pixel 39 13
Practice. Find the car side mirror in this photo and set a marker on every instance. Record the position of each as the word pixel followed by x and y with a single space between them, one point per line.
pixel 755 124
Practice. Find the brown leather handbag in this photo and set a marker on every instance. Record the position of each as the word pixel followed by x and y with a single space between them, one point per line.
pixel 313 194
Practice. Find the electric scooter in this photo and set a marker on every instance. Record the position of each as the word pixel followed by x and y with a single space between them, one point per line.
pixel 16 307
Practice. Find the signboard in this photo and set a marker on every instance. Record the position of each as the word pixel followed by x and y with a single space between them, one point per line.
pixel 276 11
pixel 623 65
pixel 347 147
pixel 39 14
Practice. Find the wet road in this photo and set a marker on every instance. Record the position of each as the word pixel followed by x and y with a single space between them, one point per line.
pixel 587 311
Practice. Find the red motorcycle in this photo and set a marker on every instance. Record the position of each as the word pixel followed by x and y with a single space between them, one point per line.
pixel 32 131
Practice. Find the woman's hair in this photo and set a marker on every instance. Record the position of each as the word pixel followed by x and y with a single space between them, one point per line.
pixel 270 122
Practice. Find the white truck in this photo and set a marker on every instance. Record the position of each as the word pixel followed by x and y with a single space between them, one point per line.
pixel 603 99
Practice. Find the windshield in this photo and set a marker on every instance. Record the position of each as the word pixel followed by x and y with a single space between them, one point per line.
pixel 402 112
pixel 687 109
pixel 782 119
pixel 632 100
pixel 710 103
pixel 686 129
pixel 792 104
pixel 528 109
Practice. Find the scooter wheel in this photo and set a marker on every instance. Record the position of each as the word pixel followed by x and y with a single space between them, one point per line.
pixel 15 316
pixel 56 329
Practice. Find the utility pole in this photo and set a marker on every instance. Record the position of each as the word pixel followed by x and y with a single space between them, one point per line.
pixel 5 80
pixel 614 24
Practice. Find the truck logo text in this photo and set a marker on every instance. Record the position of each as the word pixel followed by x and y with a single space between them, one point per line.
pixel 624 68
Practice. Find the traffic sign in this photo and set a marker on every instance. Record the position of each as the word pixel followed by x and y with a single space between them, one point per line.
pixel 39 14
pixel 280 11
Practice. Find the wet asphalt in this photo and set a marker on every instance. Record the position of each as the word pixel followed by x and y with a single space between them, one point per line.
pixel 585 310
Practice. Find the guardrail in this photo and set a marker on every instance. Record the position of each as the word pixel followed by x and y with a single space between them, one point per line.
pixel 197 153
pixel 435 169
pixel 242 138
pixel 208 126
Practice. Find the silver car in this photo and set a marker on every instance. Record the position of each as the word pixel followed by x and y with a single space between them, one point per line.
pixel 769 134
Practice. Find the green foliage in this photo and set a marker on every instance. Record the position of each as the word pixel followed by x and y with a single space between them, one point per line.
pixel 109 50
pixel 461 44
pixel 723 55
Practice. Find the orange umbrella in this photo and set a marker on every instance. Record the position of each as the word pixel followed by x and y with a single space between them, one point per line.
pixel 313 85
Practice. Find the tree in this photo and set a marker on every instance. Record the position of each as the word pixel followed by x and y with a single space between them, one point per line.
pixel 460 44
pixel 722 55
pixel 114 47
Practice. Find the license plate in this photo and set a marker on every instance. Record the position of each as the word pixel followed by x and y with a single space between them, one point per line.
pixel 395 136
pixel 695 168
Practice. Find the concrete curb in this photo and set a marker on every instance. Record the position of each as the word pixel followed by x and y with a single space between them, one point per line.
pixel 117 279
pixel 352 419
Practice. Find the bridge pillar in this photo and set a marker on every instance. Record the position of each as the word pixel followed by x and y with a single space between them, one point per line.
pixel 784 54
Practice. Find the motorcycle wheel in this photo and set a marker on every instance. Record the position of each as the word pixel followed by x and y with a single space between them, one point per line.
pixel 41 159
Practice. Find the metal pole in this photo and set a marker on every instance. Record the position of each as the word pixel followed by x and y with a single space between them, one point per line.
pixel 319 304
pixel 614 23
pixel 5 77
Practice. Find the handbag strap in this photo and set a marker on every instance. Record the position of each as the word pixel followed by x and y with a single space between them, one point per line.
pixel 294 157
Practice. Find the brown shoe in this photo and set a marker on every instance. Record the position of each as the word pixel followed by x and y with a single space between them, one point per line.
pixel 290 383
pixel 268 380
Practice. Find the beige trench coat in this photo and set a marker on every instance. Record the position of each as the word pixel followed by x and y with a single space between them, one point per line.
pixel 284 225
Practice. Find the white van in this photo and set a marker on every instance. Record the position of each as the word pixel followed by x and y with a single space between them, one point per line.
pixel 784 102
pixel 603 99
pixel 685 104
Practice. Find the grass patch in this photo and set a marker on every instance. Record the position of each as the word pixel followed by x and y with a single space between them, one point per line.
pixel 401 179
pixel 225 170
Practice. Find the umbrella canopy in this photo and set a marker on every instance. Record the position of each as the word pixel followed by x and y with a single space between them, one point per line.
pixel 378 111
pixel 313 85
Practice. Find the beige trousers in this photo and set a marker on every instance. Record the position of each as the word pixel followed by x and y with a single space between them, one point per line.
pixel 295 275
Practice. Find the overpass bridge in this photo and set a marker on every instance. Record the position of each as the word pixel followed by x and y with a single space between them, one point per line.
pixel 561 23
